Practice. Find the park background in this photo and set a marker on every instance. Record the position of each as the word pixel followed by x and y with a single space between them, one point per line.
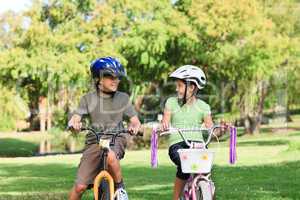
pixel 249 50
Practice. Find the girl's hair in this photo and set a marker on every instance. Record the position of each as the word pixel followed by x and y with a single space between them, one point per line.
pixel 187 84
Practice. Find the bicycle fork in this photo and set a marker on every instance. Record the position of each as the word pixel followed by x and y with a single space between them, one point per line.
pixel 206 185
pixel 104 175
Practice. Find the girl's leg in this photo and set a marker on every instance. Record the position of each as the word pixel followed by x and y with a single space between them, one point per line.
pixel 181 177
pixel 178 188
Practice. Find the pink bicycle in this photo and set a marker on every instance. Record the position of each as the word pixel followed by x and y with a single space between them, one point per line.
pixel 197 160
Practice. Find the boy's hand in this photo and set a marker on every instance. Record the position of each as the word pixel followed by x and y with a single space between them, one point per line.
pixel 75 123
pixel 133 130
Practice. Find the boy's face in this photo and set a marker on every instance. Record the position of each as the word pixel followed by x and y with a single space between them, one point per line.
pixel 180 89
pixel 109 83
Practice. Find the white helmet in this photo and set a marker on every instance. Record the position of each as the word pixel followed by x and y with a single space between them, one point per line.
pixel 190 73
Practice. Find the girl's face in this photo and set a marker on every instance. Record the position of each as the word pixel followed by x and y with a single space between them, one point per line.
pixel 180 89
pixel 109 83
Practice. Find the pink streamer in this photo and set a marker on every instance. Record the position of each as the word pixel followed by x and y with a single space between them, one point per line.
pixel 232 149
pixel 154 148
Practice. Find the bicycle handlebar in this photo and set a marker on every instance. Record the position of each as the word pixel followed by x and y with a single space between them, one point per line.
pixel 114 133
pixel 179 130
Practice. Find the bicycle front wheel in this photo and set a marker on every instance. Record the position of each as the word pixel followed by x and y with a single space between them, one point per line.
pixel 205 190
pixel 103 192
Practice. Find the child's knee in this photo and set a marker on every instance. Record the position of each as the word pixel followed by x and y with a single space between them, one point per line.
pixel 111 157
pixel 80 188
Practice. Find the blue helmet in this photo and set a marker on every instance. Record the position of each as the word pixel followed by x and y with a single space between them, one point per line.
pixel 107 65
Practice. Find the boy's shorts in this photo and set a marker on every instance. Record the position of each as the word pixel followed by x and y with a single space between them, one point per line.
pixel 90 164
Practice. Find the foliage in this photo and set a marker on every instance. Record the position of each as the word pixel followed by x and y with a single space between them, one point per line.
pixel 13 108
pixel 242 46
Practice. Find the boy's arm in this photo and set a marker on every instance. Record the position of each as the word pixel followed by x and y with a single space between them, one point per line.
pixel 75 121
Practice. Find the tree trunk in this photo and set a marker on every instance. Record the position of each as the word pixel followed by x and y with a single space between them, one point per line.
pixel 138 103
pixel 288 114
pixel 72 145
pixel 42 149
pixel 252 123
pixel 43 113
pixel 260 108
pixel 49 116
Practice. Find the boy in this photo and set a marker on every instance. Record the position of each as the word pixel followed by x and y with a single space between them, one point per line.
pixel 106 108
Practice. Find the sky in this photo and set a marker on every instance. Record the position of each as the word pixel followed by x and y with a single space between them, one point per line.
pixel 15 5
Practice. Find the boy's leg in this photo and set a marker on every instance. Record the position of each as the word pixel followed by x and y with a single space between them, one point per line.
pixel 88 168
pixel 116 153
pixel 77 191
pixel 114 167
pixel 113 159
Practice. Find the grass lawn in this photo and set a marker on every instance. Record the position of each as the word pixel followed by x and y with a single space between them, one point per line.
pixel 268 167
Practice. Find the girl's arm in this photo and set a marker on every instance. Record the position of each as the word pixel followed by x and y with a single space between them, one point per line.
pixel 165 122
pixel 208 122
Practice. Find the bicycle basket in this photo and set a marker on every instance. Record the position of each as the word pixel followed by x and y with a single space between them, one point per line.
pixel 196 160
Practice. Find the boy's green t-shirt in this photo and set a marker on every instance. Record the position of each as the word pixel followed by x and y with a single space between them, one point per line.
pixel 187 116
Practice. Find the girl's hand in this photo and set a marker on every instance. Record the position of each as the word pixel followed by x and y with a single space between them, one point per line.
pixel 224 125
pixel 164 125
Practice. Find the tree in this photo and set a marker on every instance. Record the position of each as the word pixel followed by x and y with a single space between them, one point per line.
pixel 239 44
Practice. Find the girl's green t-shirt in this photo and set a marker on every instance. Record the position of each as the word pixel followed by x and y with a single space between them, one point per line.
pixel 187 116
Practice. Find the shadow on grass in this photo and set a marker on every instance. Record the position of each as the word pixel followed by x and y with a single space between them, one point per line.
pixel 53 181
pixel 277 181
pixel 294 134
pixel 263 142
pixel 33 181
pixel 10 147
pixel 268 130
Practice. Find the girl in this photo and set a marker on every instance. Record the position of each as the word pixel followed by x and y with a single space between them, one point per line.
pixel 185 111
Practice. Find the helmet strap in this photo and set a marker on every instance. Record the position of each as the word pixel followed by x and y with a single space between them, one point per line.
pixel 185 98
pixel 108 93
pixel 102 91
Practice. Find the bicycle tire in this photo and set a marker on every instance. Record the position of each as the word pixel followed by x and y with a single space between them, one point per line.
pixel 205 190
pixel 103 191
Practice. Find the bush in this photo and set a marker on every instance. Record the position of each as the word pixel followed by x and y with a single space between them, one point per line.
pixel 12 109
pixel 62 141
pixel 145 141
pixel 60 119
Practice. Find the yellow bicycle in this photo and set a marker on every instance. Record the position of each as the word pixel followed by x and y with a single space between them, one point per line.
pixel 103 185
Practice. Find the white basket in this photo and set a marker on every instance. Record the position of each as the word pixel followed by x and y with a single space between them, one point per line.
pixel 196 160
